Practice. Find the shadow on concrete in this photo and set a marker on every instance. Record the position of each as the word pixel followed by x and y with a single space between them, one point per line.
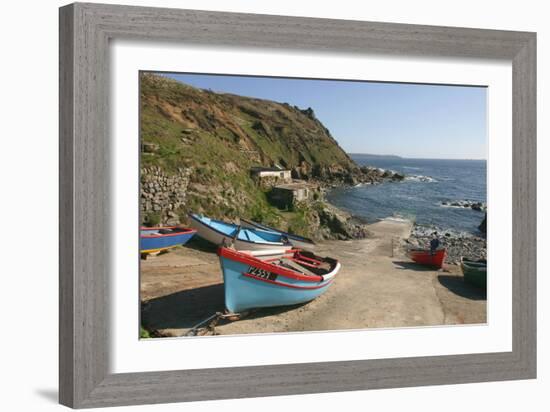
pixel 277 310
pixel 414 266
pixel 198 243
pixel 457 285
pixel 184 309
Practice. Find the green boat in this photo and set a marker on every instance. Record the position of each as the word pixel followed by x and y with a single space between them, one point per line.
pixel 475 272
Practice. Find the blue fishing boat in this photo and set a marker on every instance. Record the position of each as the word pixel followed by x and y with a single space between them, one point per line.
pixel 296 241
pixel 292 278
pixel 155 239
pixel 223 233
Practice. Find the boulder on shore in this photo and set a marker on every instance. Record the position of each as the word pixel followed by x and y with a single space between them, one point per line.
pixel 339 224
pixel 483 225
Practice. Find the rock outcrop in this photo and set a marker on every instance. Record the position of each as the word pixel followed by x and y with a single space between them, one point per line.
pixel 337 224
pixel 468 204
pixel 483 225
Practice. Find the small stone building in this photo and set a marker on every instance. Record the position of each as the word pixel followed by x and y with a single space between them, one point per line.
pixel 288 194
pixel 270 176
pixel 262 172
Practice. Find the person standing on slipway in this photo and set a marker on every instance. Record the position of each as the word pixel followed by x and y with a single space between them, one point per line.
pixel 434 243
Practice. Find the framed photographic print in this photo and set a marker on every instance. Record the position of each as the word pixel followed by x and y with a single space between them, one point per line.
pixel 260 205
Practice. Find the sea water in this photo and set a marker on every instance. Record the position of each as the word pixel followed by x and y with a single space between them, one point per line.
pixel 420 196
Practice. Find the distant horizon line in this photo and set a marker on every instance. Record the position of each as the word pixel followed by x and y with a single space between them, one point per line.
pixel 413 158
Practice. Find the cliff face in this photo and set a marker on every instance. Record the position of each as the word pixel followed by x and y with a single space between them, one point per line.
pixel 215 139
pixel 253 131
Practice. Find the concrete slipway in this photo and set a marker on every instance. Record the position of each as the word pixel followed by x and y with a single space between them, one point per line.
pixel 378 286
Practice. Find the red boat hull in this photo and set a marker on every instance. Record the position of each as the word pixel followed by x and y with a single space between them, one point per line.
pixel 426 257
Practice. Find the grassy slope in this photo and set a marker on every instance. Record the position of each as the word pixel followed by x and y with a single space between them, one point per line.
pixel 221 136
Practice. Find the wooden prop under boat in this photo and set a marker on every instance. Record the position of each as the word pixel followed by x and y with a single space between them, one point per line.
pixel 427 257
pixel 292 278
pixel 222 233
pixel 156 239
pixel 475 272
pixel 296 241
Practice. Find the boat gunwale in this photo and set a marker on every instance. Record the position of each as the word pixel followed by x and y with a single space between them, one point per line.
pixel 192 216
pixel 268 229
pixel 474 264
pixel 255 262
pixel 473 269
pixel 185 231
pixel 444 249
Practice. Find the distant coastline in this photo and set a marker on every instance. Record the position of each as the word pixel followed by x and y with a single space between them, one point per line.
pixel 366 156
pixel 374 156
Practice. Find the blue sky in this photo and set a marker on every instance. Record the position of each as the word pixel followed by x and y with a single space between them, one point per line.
pixel 409 120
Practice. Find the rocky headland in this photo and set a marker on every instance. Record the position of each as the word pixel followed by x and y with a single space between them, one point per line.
pixel 198 148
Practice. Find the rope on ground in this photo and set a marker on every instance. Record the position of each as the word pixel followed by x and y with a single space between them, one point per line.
pixel 212 321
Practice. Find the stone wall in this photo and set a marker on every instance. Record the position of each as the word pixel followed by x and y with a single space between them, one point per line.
pixel 162 195
pixel 281 198
pixel 266 182
pixel 287 195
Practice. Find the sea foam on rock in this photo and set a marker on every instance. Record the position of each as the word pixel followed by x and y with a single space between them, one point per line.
pixel 420 178
pixel 468 204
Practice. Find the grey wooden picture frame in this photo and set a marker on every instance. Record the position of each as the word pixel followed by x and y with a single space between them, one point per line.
pixel 85 32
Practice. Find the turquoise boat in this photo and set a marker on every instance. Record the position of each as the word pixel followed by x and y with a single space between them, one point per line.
pixel 223 233
pixel 475 272
pixel 288 279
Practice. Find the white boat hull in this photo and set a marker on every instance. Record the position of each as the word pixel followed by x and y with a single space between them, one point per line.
pixel 297 243
pixel 221 239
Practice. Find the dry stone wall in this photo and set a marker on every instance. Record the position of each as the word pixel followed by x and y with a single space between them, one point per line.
pixel 162 195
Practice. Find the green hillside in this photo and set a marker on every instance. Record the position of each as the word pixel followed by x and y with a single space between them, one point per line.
pixel 219 137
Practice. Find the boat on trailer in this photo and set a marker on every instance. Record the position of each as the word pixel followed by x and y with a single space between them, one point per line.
pixel 156 239
pixel 224 234
pixel 288 279
pixel 428 257
pixel 475 272
pixel 296 241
